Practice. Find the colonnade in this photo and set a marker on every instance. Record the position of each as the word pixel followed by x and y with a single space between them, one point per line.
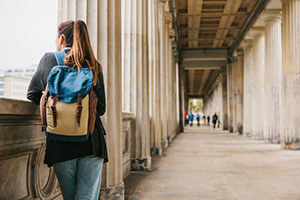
pixel 134 42
pixel 263 79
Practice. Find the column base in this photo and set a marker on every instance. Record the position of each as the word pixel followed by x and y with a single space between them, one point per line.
pixel 113 193
pixel 291 146
pixel 171 137
pixel 257 137
pixel 140 164
pixel 240 129
pixel 165 143
pixel 272 141
pixel 156 151
pixel 246 134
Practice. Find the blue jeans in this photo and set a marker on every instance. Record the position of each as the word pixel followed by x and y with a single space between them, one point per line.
pixel 80 178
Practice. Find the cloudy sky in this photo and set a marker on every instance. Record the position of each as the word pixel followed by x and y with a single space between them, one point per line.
pixel 28 30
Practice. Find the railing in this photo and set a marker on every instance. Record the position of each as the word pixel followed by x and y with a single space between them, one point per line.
pixel 127 136
pixel 23 175
pixel 22 149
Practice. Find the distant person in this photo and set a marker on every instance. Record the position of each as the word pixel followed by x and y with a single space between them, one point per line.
pixel 219 120
pixel 214 119
pixel 198 119
pixel 191 118
pixel 186 120
pixel 204 119
pixel 208 119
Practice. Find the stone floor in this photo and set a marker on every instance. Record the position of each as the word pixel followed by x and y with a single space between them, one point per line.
pixel 205 164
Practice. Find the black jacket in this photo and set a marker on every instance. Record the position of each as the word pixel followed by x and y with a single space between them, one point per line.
pixel 57 151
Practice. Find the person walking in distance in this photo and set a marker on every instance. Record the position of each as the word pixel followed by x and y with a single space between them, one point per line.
pixel 208 119
pixel 191 118
pixel 198 119
pixel 219 120
pixel 204 119
pixel 78 165
pixel 214 119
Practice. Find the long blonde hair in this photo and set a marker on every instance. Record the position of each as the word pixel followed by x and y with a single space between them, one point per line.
pixel 81 48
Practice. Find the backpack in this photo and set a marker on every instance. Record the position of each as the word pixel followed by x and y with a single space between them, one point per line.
pixel 68 105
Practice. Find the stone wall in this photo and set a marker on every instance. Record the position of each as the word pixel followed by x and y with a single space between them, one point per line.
pixel 22 148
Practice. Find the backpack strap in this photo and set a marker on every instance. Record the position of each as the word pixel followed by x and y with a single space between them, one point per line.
pixel 60 57
pixel 79 110
pixel 54 111
pixel 43 104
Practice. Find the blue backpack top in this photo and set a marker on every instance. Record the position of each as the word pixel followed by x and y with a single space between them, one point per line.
pixel 68 82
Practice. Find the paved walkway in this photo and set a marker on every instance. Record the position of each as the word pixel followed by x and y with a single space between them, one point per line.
pixel 215 165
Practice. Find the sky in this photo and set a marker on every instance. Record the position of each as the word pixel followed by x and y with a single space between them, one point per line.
pixel 28 30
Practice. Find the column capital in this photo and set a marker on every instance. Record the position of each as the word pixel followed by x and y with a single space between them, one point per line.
pixel 286 1
pixel 168 17
pixel 256 32
pixel 247 43
pixel 240 52
pixel 272 15
pixel 229 60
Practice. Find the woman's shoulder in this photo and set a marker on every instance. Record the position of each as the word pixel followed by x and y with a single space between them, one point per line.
pixel 48 59
pixel 48 55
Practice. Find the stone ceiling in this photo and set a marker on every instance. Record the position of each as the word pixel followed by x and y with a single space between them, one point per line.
pixel 208 30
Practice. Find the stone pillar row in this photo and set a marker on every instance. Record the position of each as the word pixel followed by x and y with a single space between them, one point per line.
pixel 274 77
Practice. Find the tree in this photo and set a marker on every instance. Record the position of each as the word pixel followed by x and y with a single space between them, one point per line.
pixel 196 105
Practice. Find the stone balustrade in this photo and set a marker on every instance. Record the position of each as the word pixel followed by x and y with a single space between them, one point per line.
pixel 22 148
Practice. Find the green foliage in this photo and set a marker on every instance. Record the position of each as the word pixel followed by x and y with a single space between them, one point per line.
pixel 196 105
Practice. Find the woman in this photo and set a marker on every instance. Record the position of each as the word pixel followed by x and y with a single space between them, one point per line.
pixel 78 165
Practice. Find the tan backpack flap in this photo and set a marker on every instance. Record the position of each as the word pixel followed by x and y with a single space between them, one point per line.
pixel 68 124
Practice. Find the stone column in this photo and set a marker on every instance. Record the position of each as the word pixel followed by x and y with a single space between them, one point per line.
pixel 127 17
pixel 235 92
pixel 248 59
pixel 290 138
pixel 163 85
pixel 139 102
pixel 230 94
pixel 169 77
pixel 258 84
pixel 104 23
pixel 181 87
pixel 224 119
pixel 154 84
pixel 109 54
pixel 240 91
pixel 273 75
